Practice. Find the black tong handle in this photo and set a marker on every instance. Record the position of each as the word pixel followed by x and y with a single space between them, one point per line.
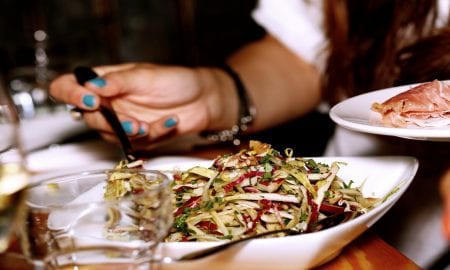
pixel 84 74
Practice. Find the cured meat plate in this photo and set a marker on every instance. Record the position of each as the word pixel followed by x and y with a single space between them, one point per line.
pixel 355 114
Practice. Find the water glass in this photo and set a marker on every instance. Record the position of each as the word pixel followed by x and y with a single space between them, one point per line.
pixel 111 219
pixel 13 173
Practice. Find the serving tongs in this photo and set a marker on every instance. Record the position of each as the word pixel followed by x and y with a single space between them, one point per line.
pixel 84 74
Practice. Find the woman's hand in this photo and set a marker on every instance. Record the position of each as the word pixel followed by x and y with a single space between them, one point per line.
pixel 153 102
pixel 157 102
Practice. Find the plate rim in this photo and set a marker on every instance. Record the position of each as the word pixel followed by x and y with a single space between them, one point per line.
pixel 408 161
pixel 434 134
pixel 410 165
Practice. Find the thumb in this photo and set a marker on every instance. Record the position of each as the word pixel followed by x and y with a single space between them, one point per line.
pixel 114 81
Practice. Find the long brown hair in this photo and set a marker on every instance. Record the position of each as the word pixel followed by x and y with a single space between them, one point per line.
pixel 374 44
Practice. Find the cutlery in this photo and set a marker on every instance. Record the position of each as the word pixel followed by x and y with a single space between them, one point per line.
pixel 84 74
pixel 322 224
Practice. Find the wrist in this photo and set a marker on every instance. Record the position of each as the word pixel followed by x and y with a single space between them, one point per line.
pixel 244 111
pixel 220 98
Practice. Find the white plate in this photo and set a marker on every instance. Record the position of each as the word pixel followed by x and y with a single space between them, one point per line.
pixel 355 113
pixel 380 175
pixel 44 130
pixel 72 157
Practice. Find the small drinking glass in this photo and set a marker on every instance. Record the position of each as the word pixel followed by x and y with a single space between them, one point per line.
pixel 13 173
pixel 112 219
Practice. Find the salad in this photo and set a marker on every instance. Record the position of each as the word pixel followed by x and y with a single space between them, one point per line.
pixel 257 190
pixel 125 181
pixel 131 219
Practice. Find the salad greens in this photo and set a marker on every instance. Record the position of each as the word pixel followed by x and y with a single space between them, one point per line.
pixel 257 190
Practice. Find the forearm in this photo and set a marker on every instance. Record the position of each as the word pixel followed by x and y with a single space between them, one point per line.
pixel 280 84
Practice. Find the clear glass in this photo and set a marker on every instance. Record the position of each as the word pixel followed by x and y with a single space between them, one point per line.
pixel 28 83
pixel 13 173
pixel 71 225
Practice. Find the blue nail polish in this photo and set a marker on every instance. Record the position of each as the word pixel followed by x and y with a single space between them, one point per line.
pixel 89 100
pixel 99 82
pixel 141 131
pixel 127 127
pixel 170 123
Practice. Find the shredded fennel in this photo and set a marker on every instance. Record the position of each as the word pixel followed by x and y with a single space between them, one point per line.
pixel 256 190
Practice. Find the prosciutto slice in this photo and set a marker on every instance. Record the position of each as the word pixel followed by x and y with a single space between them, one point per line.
pixel 425 105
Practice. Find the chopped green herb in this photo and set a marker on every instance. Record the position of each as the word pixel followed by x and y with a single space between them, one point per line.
pixel 266 158
pixel 227 237
pixel 180 224
pixel 310 163
pixel 267 176
pixel 304 217
pixel 349 185
pixel 209 205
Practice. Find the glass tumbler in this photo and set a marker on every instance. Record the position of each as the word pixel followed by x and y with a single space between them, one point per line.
pixel 13 173
pixel 111 219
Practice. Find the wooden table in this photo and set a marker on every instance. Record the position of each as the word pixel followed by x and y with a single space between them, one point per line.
pixel 366 252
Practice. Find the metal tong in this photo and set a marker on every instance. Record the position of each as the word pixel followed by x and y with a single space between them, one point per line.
pixel 84 74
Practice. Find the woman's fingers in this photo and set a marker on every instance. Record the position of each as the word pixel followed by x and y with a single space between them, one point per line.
pixel 66 89
pixel 102 70
pixel 152 102
pixel 125 79
pixel 131 127
pixel 162 127
pixel 136 130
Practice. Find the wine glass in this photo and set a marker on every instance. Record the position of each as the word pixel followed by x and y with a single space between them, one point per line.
pixel 13 173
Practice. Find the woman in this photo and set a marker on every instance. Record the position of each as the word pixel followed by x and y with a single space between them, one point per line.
pixel 314 52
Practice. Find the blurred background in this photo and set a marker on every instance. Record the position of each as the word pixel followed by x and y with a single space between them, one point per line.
pixel 43 38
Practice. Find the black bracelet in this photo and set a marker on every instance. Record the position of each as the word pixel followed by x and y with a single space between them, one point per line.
pixel 247 113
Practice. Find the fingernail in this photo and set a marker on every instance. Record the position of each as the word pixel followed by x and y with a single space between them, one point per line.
pixel 127 126
pixel 89 100
pixel 141 130
pixel 99 82
pixel 170 123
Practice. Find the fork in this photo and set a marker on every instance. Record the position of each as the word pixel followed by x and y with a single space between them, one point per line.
pixel 84 74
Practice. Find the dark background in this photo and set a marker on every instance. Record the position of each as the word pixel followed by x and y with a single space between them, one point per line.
pixel 185 32
pixel 188 32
